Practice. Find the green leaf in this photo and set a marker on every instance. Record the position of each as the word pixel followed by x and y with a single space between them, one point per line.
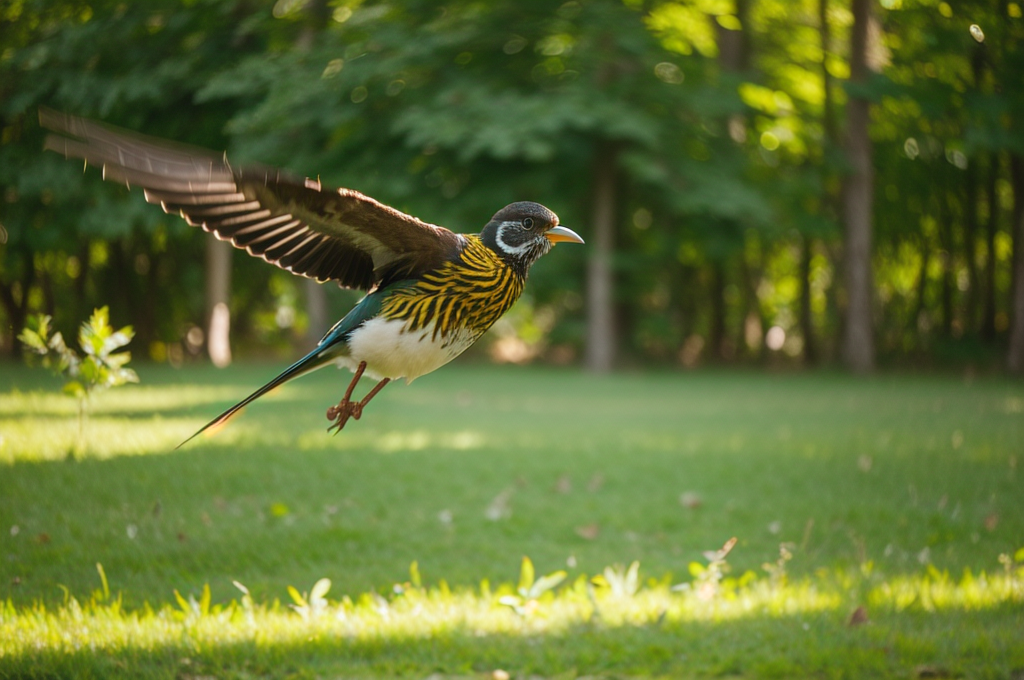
pixel 34 341
pixel 204 600
pixel 632 580
pixel 93 372
pixel 103 580
pixel 39 324
pixel 94 333
pixel 74 389
pixel 414 574
pixel 57 344
pixel 546 583
pixel 297 596
pixel 320 589
pixel 117 360
pixel 119 339
pixel 526 576
pixel 1019 555
pixel 182 602
pixel 696 569
pixel 122 376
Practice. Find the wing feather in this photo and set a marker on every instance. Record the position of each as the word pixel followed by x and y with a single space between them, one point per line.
pixel 300 226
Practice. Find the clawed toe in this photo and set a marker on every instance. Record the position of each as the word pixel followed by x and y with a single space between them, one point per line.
pixel 346 408
pixel 341 413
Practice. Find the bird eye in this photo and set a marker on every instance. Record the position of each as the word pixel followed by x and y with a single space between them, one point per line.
pixel 527 223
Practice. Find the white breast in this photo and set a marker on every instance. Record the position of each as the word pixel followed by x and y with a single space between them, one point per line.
pixel 391 352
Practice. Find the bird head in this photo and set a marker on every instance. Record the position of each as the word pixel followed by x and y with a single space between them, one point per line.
pixel 521 232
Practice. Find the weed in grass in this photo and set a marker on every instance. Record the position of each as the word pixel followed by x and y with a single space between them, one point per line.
pixel 708 578
pixel 531 589
pixel 311 605
pixel 621 581
pixel 777 569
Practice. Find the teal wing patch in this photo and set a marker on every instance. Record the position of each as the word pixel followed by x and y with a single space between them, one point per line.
pixel 369 307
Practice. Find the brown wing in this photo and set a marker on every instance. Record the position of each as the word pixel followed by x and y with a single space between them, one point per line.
pixel 298 225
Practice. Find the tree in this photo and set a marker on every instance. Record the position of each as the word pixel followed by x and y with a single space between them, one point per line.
pixel 858 201
pixel 694 143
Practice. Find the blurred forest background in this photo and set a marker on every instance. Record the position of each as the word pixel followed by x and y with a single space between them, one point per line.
pixel 759 181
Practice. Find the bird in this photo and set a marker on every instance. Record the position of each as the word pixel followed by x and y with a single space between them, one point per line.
pixel 430 292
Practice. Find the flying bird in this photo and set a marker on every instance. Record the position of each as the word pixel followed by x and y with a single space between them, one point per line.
pixel 430 293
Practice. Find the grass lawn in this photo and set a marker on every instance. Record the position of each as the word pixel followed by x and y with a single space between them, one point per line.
pixel 893 493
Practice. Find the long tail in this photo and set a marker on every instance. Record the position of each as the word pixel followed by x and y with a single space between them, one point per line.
pixel 312 361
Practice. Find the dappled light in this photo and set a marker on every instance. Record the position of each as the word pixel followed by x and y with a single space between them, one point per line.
pixel 20 441
pixel 40 426
pixel 127 401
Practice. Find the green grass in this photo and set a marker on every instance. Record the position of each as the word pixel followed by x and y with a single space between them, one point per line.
pixel 880 485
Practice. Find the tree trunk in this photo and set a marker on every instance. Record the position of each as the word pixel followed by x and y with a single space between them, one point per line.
pixel 1015 355
pixel 858 199
pixel 78 303
pixel 218 294
pixel 914 323
pixel 46 286
pixel 988 304
pixel 973 180
pixel 15 296
pixel 317 17
pixel 749 275
pixel 316 310
pixel 829 200
pixel 946 247
pixel 806 313
pixel 971 247
pixel 734 46
pixel 600 284
pixel 734 51
pixel 716 333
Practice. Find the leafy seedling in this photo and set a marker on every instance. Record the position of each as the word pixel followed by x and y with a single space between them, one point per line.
pixel 314 604
pixel 100 366
pixel 530 588
pixel 621 581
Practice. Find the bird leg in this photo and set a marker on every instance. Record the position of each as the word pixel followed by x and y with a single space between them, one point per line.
pixel 346 408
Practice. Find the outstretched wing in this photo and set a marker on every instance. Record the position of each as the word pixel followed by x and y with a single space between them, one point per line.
pixel 324 234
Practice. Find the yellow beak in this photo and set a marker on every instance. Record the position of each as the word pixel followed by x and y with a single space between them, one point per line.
pixel 560 234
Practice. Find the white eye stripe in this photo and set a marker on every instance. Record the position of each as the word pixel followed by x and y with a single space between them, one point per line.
pixel 520 249
pixel 526 252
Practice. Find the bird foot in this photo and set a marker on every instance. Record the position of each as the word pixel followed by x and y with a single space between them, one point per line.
pixel 344 410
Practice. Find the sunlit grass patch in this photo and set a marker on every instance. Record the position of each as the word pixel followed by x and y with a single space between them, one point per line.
pixel 937 590
pixel 128 400
pixel 21 440
pixel 476 628
pixel 134 420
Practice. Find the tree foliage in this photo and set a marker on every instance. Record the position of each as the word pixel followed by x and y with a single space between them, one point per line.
pixel 729 167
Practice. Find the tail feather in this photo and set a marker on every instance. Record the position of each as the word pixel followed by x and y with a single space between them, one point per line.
pixel 312 361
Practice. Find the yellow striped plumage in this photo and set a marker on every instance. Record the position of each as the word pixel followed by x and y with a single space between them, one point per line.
pixel 468 293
